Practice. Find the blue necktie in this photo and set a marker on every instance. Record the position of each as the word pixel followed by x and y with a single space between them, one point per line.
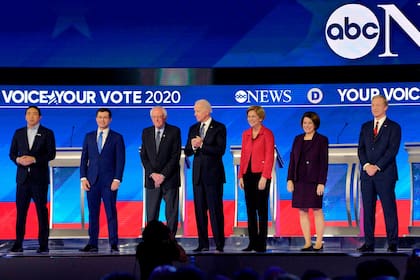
pixel 100 141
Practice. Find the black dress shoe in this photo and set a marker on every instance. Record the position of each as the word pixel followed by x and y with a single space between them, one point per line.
pixel 366 248
pixel 260 249
pixel 248 249
pixel 392 248
pixel 89 249
pixel 201 249
pixel 307 249
pixel 41 250
pixel 114 248
pixel 318 249
pixel 16 249
pixel 219 249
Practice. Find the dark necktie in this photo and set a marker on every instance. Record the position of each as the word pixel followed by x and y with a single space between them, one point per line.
pixel 157 140
pixel 202 130
pixel 100 139
pixel 375 130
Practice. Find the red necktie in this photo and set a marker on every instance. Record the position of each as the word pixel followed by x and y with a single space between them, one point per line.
pixel 375 130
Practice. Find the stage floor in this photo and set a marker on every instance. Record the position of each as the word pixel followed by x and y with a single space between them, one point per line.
pixel 64 261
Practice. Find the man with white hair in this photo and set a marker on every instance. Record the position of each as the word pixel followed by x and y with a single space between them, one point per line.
pixel 207 142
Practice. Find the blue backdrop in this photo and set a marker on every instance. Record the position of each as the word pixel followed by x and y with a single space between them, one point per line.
pixel 218 33
pixel 70 112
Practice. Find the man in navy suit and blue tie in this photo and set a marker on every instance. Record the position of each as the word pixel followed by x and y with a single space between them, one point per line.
pixel 160 153
pixel 33 146
pixel 101 171
pixel 379 143
pixel 207 142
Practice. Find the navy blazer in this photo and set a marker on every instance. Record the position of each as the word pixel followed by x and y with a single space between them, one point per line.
pixel 380 150
pixel 208 160
pixel 43 149
pixel 166 161
pixel 109 164
pixel 316 159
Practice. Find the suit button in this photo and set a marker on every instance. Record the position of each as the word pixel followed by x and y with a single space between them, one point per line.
pixel 307 162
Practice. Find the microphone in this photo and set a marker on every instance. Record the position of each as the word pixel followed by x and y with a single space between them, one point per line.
pixel 341 131
pixel 71 136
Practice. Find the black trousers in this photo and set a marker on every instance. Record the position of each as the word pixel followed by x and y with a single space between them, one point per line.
pixel 171 198
pixel 39 193
pixel 209 197
pixel 257 210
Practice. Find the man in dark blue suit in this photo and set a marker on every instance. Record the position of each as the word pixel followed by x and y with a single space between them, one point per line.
pixel 101 171
pixel 379 143
pixel 160 153
pixel 32 148
pixel 207 142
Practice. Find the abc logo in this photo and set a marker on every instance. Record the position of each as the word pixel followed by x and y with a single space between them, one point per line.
pixel 241 96
pixel 352 31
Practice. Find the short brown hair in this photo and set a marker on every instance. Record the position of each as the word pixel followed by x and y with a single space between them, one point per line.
pixel 258 109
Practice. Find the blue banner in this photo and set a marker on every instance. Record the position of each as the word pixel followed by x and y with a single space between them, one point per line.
pixel 144 34
pixel 70 112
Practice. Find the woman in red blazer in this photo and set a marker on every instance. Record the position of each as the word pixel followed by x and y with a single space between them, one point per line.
pixel 257 159
pixel 307 176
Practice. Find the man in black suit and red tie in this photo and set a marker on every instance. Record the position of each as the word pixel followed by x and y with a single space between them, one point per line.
pixel 32 148
pixel 160 153
pixel 207 142
pixel 379 143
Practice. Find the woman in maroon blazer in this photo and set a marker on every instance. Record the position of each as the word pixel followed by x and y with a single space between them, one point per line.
pixel 307 176
pixel 257 159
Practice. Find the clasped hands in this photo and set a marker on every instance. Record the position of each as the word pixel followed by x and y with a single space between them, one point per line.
pixel 371 169
pixel 196 142
pixel 25 160
pixel 158 179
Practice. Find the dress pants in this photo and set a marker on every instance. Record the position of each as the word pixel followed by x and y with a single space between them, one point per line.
pixel 385 189
pixel 208 197
pixel 257 210
pixel 103 191
pixel 39 193
pixel 171 198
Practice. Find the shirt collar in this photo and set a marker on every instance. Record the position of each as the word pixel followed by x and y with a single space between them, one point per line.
pixel 207 122
pixel 380 121
pixel 35 127
pixel 159 129
pixel 105 131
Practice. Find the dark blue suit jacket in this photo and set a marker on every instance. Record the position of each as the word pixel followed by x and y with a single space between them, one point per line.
pixel 316 159
pixel 43 149
pixel 208 160
pixel 380 150
pixel 109 164
pixel 166 162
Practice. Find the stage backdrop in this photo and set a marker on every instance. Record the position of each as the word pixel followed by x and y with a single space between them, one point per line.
pixel 70 112
pixel 218 33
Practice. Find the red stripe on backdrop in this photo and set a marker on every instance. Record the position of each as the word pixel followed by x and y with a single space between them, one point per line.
pixel 130 220
pixel 288 224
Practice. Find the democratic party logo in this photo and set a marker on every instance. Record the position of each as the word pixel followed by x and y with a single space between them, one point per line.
pixel 315 95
